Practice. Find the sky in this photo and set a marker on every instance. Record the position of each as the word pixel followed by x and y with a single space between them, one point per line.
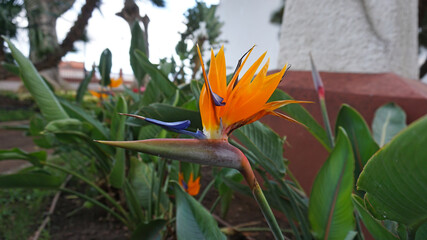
pixel 106 30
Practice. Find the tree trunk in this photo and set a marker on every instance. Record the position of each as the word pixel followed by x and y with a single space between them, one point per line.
pixel 42 16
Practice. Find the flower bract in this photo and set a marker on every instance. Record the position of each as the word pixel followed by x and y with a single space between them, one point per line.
pixel 226 107
pixel 192 186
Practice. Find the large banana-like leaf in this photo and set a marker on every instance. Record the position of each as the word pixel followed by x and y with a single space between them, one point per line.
pixel 395 178
pixel 44 97
pixel 330 208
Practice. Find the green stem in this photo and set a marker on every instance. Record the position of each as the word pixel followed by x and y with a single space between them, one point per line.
pixel 266 210
pixel 159 187
pixel 102 192
pixel 299 214
pixel 206 190
pixel 326 121
pixel 215 204
pixel 292 177
pixel 249 175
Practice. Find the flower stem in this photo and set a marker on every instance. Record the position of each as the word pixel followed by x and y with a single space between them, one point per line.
pixel 249 175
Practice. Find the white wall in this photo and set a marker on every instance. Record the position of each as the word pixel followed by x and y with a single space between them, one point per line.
pixel 247 23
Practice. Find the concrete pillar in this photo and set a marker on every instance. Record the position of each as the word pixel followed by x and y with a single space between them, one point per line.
pixel 367 36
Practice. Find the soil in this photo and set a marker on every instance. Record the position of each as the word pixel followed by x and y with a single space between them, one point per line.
pixel 96 224
pixel 85 224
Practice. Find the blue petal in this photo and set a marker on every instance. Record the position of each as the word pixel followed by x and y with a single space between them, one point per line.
pixel 218 100
pixel 180 125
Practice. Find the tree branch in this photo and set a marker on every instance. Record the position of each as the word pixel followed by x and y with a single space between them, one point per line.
pixel 75 33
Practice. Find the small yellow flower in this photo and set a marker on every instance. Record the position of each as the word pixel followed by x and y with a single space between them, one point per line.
pixel 224 108
pixel 98 95
pixel 116 82
pixel 192 187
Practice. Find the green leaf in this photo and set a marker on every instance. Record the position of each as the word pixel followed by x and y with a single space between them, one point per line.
pixel 299 113
pixel 83 86
pixel 10 67
pixel 105 63
pixel 374 226
pixel 330 208
pixel 29 180
pixel 140 174
pixel 44 97
pixel 137 42
pixel 62 125
pixel 193 221
pixel 149 231
pixel 159 79
pixel 100 132
pixel 266 145
pixel 362 143
pixel 133 203
pixel 151 94
pixel 388 121
pixel 117 175
pixel 16 153
pixel 421 233
pixel 396 174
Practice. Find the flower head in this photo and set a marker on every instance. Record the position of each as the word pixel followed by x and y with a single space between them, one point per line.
pixel 224 108
pixel 192 187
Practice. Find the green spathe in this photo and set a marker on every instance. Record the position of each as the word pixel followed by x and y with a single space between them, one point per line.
pixel 208 152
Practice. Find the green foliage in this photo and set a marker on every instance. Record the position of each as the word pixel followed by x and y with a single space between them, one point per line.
pixel 266 146
pixel 193 221
pixel 362 143
pixel 15 153
pixel 389 120
pixel 373 225
pixel 21 212
pixel 44 97
pixel 83 86
pixel 117 176
pixel 396 175
pixel 149 231
pixel 300 114
pixel 15 115
pixel 30 180
pixel 330 209
pixel 105 63
pixel 138 42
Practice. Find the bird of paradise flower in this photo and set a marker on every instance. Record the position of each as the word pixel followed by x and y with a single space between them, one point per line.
pixel 223 108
